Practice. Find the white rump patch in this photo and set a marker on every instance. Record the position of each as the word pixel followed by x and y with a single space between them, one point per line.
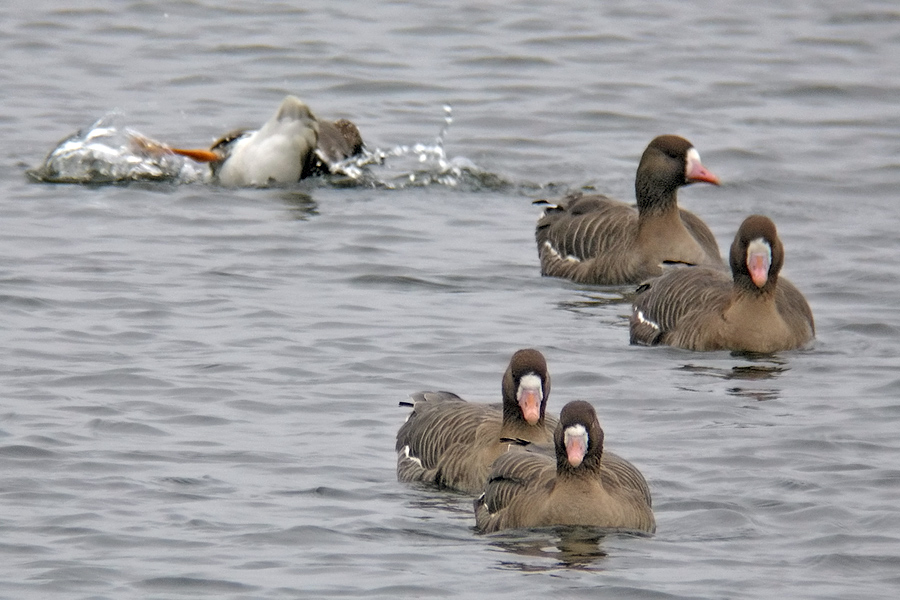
pixel 556 253
pixel 410 456
pixel 639 315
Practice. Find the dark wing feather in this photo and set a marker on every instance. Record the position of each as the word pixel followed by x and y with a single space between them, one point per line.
pixel 514 472
pixel 618 472
pixel 587 239
pixel 439 420
pixel 662 303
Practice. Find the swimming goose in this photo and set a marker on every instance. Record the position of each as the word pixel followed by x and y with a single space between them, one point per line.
pixel 595 239
pixel 290 146
pixel 452 443
pixel 754 310
pixel 582 485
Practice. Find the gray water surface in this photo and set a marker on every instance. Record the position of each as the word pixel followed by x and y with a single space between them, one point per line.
pixel 199 385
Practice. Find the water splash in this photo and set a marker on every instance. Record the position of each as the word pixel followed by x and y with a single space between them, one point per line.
pixel 107 152
pixel 417 165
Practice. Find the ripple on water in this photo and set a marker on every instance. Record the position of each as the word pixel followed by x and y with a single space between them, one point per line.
pixel 201 383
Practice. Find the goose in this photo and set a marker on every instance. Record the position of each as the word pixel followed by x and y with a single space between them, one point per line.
pixel 581 485
pixel 591 238
pixel 450 442
pixel 754 310
pixel 290 146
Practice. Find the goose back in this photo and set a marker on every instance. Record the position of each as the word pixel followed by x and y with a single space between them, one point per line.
pixel 450 442
pixel 670 302
pixel 589 239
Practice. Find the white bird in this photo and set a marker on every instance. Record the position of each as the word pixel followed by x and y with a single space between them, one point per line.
pixel 284 150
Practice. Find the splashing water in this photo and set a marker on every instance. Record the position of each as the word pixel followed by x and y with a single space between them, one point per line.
pixel 417 165
pixel 107 152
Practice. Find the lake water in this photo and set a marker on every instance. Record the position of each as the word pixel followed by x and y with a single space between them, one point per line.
pixel 200 385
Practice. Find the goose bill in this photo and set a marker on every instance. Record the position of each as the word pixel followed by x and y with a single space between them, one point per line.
pixel 198 154
pixel 694 170
pixel 529 398
pixel 759 259
pixel 576 440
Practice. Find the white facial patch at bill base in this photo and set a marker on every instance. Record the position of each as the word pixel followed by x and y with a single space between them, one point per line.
pixel 529 396
pixel 759 260
pixel 530 382
pixel 691 160
pixel 760 246
pixel 575 438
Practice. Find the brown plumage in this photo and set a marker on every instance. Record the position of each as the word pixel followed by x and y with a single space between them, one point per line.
pixel 595 239
pixel 452 443
pixel 583 485
pixel 338 141
pixel 754 310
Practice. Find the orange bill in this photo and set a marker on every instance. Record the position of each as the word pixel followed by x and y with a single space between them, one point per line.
pixel 198 154
pixel 530 405
pixel 698 172
pixel 576 448
pixel 758 266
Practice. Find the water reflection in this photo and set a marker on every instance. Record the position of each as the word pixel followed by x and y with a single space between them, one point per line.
pixel 563 547
pixel 301 205
pixel 442 500
pixel 746 373
pixel 598 299
pixel 556 547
